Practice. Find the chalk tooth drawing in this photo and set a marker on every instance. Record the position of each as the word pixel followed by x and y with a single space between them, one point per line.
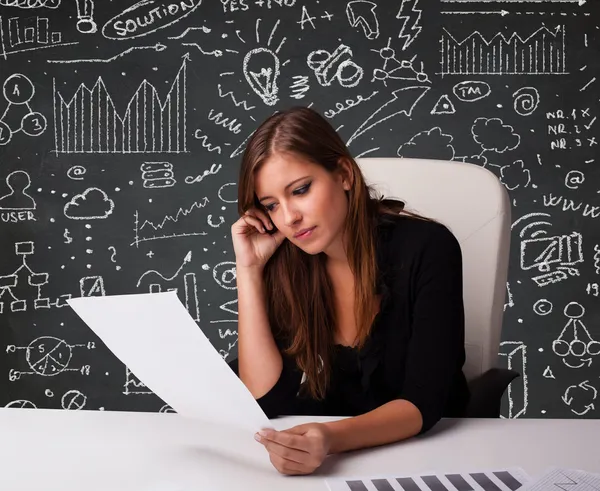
pixel 31 4
pixel 85 17
pixel 335 66
pixel 403 101
pixel 18 90
pixel 73 400
pixel 24 279
pixel 472 90
pixel 526 100
pixel 299 87
pixel 585 393
pixel 93 203
pixel 555 257
pixel 515 175
pixel 361 13
pixel 147 126
pixel 433 144
pixel 395 69
pixel 517 392
pixel 155 282
pixel 542 53
pixel 157 175
pixel 17 199
pixel 76 172
pixel 158 226
pixel 146 17
pixel 410 18
pixel 575 341
pixel 48 356
pixel 158 47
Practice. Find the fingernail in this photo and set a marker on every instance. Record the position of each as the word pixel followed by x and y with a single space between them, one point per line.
pixel 257 437
pixel 262 433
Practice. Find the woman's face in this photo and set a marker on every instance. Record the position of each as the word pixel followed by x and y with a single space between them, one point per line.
pixel 299 194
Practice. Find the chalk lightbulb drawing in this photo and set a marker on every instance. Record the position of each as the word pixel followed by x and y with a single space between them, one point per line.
pixel 261 69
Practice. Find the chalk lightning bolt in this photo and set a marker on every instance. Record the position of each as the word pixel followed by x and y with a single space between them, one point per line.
pixel 410 16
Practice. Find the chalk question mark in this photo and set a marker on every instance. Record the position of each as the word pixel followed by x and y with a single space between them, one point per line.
pixel 112 257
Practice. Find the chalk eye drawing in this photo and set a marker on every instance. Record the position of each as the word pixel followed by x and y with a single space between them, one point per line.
pixel 335 66
pixel 515 175
pixel 472 90
pixel 48 356
pixel 157 175
pixel 580 398
pixel 17 199
pixel 542 53
pixel 16 288
pixel 18 116
pixel 158 226
pixel 31 4
pixel 361 13
pixel 93 203
pixel 90 123
pixel 517 392
pixel 146 16
pixel 403 101
pixel 85 17
pixel 410 18
pixel 526 100
pixel 154 282
pixel 20 35
pixel 395 69
pixel 73 400
pixel 555 257
pixel 575 341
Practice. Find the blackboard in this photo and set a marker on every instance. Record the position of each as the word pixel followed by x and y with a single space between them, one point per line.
pixel 121 132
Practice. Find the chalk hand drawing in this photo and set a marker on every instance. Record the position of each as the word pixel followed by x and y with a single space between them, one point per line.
pixel 337 65
pixel 93 203
pixel 85 17
pixel 147 126
pixel 403 101
pixel 526 100
pixel 584 393
pixel 18 90
pixel 542 53
pixel 395 69
pixel 188 294
pixel 147 16
pixel 575 341
pixel 362 13
pixel 157 175
pixel 17 199
pixel 494 136
pixel 472 90
pixel 24 282
pixel 553 256
pixel 261 70
pixel 515 175
pixel 431 144
pixel 410 18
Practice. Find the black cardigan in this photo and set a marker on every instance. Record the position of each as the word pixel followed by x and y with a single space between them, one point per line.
pixel 416 347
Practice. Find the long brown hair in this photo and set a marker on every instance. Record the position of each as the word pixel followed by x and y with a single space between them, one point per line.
pixel 298 290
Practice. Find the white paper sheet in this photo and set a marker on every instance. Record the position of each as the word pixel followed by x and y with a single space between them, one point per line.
pixel 561 478
pixel 156 338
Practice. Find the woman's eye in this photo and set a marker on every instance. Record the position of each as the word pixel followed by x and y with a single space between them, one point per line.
pixel 300 190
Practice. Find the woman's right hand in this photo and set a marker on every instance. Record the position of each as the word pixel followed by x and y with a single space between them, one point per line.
pixel 252 244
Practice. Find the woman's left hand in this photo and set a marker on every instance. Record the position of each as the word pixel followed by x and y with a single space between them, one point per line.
pixel 297 450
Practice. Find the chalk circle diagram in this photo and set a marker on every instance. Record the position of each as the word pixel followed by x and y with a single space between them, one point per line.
pixel 73 400
pixel 21 403
pixel 91 204
pixel 48 356
pixel 18 90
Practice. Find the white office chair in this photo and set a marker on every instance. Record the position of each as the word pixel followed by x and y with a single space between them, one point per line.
pixel 474 205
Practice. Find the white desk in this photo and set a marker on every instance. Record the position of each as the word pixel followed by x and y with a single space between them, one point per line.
pixel 46 450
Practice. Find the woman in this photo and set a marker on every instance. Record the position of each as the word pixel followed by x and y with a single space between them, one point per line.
pixel 348 304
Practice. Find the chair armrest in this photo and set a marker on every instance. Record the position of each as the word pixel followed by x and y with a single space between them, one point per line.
pixel 487 391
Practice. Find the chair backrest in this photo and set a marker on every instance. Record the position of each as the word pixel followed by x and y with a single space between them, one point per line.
pixel 473 203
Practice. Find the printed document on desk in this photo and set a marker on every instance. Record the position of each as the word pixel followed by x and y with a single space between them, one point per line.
pixel 156 338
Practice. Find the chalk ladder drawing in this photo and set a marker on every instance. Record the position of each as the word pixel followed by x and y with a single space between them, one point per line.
pixel 542 53
pixel 89 122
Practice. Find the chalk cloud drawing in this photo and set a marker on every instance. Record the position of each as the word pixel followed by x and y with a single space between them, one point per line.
pixel 93 203
pixel 431 144
pixel 515 175
pixel 410 18
pixel 494 136
pixel 18 116
pixel 17 199
pixel 148 16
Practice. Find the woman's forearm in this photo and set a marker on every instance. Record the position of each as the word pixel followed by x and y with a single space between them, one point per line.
pixel 394 421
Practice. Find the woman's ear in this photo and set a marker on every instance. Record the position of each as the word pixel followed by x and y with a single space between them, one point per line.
pixel 345 169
